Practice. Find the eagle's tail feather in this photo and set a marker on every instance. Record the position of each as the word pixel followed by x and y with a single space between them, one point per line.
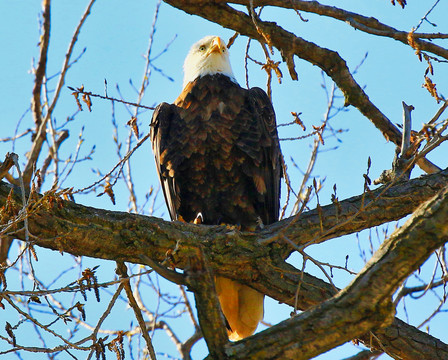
pixel 242 306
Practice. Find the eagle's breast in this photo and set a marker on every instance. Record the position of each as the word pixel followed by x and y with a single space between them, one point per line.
pixel 207 157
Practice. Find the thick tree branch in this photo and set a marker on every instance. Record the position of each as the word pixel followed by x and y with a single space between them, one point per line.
pixel 81 230
pixel 403 341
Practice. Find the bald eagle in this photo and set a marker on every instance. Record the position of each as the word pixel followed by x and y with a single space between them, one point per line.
pixel 218 158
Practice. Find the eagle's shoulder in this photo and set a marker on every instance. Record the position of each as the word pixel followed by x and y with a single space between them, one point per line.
pixel 265 109
pixel 160 118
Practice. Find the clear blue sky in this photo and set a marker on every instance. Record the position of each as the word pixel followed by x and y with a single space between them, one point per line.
pixel 116 38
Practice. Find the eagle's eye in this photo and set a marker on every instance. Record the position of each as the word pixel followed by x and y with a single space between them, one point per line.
pixel 202 47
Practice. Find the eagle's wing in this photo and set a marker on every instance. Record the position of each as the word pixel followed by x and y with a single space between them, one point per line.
pixel 269 168
pixel 163 116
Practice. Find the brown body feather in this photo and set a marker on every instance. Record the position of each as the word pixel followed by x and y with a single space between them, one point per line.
pixel 217 153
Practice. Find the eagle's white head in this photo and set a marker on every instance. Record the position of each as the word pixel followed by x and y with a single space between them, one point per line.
pixel 207 57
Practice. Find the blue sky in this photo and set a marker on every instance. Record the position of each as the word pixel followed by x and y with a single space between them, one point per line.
pixel 116 38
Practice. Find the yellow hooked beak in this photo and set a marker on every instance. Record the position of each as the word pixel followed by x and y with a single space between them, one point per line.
pixel 218 46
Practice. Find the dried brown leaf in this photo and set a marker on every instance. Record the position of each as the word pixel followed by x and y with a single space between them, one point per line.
pixel 431 87
pixel 297 120
pixel 80 308
pixel 319 130
pixel 271 65
pixel 10 333
pixel 414 44
pixel 76 95
pixel 87 101
pixel 402 3
pixel 109 191
pixel 133 124
pixel 35 299
pixel 33 252
pixel 116 345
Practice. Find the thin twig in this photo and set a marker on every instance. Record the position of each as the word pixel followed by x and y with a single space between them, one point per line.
pixel 426 16
pixel 104 97
pixel 122 271
pixel 37 323
pixel 119 164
